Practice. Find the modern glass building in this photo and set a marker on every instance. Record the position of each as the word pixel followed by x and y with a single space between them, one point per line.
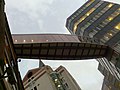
pixel 57 46
pixel 100 20
pixel 111 75
pixel 97 19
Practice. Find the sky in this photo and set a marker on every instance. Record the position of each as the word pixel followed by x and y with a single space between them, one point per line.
pixel 49 16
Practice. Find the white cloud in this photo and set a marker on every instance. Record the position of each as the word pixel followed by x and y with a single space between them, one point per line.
pixel 31 7
pixel 49 15
pixel 115 1
pixel 20 22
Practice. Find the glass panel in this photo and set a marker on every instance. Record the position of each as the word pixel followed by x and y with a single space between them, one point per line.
pixel 35 88
pixel 118 26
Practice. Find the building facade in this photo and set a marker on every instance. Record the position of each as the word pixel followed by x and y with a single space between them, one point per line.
pixel 45 78
pixel 10 78
pixel 55 47
pixel 111 75
pixel 97 19
pixel 100 20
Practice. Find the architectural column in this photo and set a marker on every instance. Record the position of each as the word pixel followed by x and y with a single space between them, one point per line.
pixel 2 34
pixel 2 29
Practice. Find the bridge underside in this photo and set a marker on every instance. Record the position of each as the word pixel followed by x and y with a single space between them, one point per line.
pixel 61 50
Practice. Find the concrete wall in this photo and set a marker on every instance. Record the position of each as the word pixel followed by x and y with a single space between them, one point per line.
pixel 43 83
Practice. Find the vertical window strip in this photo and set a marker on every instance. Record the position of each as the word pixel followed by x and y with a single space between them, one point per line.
pixel 98 15
pixel 106 21
pixel 79 11
pixel 85 16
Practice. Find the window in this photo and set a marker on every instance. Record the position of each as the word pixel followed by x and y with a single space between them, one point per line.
pixel 66 86
pixel 29 74
pixel 29 80
pixel 115 13
pixel 91 1
pixel 110 34
pixel 82 18
pixel 90 11
pixel 98 28
pixel 32 77
pixel 110 5
pixel 78 12
pixel 117 26
pixel 110 18
pixel 117 46
pixel 92 33
pixel 75 27
pixel 105 39
pixel 35 88
pixel 107 20
pixel 97 16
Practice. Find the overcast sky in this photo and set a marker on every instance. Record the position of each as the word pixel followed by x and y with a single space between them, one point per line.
pixel 49 16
